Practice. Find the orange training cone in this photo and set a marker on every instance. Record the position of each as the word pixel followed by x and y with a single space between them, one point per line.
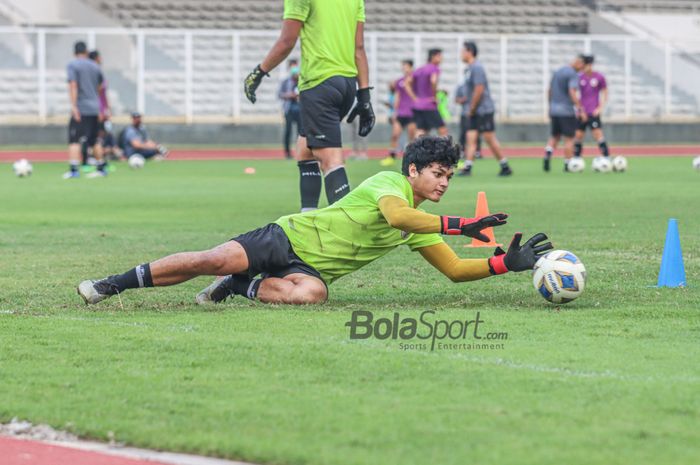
pixel 482 209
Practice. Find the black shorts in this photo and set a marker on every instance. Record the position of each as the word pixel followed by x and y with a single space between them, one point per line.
pixel 323 108
pixel 564 126
pixel 427 120
pixel 593 122
pixel 270 253
pixel 482 123
pixel 85 131
pixel 404 120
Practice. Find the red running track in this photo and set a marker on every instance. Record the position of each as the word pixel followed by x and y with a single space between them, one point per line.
pixel 272 154
pixel 26 452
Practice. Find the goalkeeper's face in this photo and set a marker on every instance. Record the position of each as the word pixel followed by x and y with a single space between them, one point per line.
pixel 431 182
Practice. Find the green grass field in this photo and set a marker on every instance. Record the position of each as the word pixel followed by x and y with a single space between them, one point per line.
pixel 610 378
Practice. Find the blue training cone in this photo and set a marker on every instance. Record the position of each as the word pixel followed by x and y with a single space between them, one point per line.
pixel 672 272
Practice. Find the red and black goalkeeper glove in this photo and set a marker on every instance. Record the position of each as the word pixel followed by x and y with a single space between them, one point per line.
pixel 472 227
pixel 519 258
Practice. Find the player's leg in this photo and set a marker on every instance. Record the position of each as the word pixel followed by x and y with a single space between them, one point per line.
pixel 324 107
pixel 477 154
pixel 597 133
pixel 310 177
pixel 412 129
pixel 463 127
pixel 568 131
pixel 495 146
pixel 74 149
pixel 552 142
pixel 442 131
pixel 472 135
pixel 296 289
pixel 284 277
pixel 396 131
pixel 92 128
pixel 568 151
pixel 486 126
pixel 578 138
pixel 287 141
pixel 225 259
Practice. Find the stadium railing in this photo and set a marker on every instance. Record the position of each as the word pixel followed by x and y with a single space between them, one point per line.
pixel 196 76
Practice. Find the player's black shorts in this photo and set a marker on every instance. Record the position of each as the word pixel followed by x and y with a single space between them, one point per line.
pixel 564 126
pixel 270 253
pixel 427 120
pixel 404 120
pixel 323 108
pixel 482 123
pixel 593 122
pixel 84 131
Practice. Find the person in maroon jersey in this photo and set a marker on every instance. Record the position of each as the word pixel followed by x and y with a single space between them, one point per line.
pixel 425 86
pixel 402 118
pixel 594 97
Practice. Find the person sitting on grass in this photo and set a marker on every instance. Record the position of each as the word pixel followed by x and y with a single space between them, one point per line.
pixel 292 260
pixel 136 140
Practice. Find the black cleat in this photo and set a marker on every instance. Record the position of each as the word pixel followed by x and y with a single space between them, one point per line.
pixel 505 171
pixel 465 172
pixel 216 292
pixel 547 163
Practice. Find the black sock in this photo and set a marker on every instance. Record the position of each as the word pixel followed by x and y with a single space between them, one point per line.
pixel 132 279
pixel 578 149
pixel 241 284
pixel 337 184
pixel 74 167
pixel 548 152
pixel 603 146
pixel 309 184
pixel 101 166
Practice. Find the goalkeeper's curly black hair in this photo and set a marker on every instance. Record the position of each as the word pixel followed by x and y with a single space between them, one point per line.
pixel 427 150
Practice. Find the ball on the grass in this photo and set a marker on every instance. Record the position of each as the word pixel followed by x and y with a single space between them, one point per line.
pixel 619 164
pixel 136 161
pixel 22 168
pixel 559 276
pixel 576 165
pixel 602 165
pixel 696 163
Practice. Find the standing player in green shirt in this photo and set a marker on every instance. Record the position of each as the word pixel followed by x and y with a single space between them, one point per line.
pixel 292 260
pixel 334 72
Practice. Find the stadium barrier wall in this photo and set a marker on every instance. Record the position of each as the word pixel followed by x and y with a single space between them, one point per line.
pixel 194 76
pixel 270 135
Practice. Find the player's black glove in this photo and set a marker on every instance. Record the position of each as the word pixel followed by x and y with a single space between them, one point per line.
pixel 363 108
pixel 455 225
pixel 519 258
pixel 252 82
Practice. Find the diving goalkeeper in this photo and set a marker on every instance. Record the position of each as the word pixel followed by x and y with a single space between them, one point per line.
pixel 292 260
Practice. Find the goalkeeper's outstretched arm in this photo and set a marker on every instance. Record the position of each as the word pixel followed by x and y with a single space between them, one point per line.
pixel 401 216
pixel 459 270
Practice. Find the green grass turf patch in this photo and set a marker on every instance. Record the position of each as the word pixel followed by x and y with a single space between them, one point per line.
pixel 610 378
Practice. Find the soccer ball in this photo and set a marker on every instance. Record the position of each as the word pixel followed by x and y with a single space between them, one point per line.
pixel 136 161
pixel 576 165
pixel 696 163
pixel 22 168
pixel 619 164
pixel 559 276
pixel 602 165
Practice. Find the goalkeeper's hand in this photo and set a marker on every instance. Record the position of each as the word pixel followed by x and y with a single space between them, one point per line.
pixel 472 227
pixel 519 258
pixel 363 109
pixel 252 82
